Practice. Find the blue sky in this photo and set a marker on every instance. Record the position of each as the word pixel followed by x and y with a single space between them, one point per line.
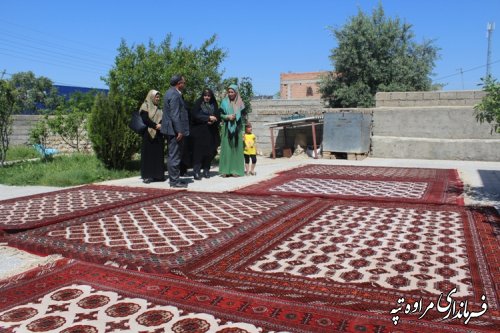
pixel 75 42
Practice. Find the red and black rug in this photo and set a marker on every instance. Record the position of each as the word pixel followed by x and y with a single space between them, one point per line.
pixel 159 234
pixel 436 186
pixel 53 207
pixel 81 297
pixel 366 256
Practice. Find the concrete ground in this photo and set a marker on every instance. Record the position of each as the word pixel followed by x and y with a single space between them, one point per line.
pixel 481 179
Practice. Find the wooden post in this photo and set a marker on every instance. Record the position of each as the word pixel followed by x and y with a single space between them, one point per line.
pixel 313 126
pixel 272 142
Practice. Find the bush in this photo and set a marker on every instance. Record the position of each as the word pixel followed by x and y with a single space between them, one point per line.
pixel 113 142
pixel 488 110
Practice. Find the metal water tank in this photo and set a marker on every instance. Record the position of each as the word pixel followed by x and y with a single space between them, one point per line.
pixel 347 132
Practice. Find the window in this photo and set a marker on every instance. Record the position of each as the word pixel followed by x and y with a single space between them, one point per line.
pixel 309 91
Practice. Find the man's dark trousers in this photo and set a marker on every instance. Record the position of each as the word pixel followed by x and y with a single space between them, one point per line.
pixel 174 159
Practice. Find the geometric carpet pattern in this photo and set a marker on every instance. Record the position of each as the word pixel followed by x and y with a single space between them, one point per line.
pixel 107 311
pixel 48 208
pixel 158 234
pixel 374 172
pixel 392 247
pixel 365 256
pixel 365 183
pixel 81 297
pixel 365 188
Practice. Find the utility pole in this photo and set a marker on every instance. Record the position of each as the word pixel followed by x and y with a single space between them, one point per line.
pixel 3 73
pixel 462 76
pixel 489 32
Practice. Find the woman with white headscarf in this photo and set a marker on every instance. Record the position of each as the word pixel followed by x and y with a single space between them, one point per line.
pixel 153 143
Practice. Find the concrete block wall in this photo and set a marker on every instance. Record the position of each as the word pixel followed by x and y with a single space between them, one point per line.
pixel 432 125
pixel 429 98
pixel 22 125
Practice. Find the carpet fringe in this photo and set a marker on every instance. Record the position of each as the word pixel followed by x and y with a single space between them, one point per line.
pixel 30 261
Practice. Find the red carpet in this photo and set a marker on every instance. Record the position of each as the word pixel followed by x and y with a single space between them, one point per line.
pixel 81 297
pixel 53 207
pixel 159 234
pixel 364 256
pixel 365 183
pixel 367 172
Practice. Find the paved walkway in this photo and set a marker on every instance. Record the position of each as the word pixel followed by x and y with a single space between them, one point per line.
pixel 481 179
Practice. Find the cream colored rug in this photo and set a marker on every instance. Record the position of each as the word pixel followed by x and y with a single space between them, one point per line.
pixel 14 261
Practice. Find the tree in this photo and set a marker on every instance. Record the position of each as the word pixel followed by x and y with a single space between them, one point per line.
pixel 34 94
pixel 141 68
pixel 489 108
pixel 113 142
pixel 39 134
pixel 70 117
pixel 376 54
pixel 6 111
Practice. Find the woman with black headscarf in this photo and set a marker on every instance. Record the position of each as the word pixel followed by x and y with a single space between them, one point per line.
pixel 204 133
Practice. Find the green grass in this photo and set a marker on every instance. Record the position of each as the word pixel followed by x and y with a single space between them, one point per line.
pixel 65 170
pixel 17 153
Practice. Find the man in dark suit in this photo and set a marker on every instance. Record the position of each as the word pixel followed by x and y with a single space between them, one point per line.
pixel 175 126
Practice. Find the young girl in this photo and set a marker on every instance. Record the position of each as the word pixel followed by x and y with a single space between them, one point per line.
pixel 250 151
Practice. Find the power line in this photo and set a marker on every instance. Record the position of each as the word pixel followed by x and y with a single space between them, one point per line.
pixel 464 71
pixel 55 36
pixel 72 56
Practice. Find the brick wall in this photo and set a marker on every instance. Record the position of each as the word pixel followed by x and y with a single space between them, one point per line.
pixel 300 85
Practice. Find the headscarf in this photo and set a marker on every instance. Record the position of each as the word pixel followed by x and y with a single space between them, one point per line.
pixel 154 113
pixel 233 107
pixel 207 108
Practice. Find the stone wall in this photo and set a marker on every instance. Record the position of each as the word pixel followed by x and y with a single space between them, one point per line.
pixel 428 125
pixel 22 125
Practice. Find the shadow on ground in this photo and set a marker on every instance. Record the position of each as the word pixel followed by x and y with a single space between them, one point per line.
pixel 490 191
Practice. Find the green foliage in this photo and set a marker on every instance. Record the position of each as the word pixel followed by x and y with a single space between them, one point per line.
pixel 488 110
pixel 21 152
pixel 70 118
pixel 6 111
pixel 39 135
pixel 374 54
pixel 69 170
pixel 113 142
pixel 141 68
pixel 34 94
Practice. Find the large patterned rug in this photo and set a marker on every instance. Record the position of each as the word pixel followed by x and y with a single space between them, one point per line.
pixel 80 297
pixel 372 257
pixel 440 186
pixel 49 208
pixel 160 234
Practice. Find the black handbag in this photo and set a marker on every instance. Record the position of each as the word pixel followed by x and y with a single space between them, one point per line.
pixel 136 124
